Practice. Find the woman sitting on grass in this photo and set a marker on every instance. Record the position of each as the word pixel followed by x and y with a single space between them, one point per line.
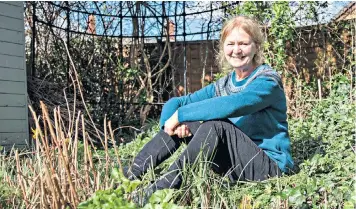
pixel 239 122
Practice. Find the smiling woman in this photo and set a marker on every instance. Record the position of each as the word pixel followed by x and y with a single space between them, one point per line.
pixel 243 35
pixel 244 129
pixel 239 51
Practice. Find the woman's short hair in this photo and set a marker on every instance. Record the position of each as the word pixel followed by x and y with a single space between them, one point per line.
pixel 251 27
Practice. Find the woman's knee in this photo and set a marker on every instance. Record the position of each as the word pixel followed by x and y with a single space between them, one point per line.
pixel 214 123
pixel 210 123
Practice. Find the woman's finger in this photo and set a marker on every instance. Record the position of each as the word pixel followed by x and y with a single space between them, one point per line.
pixel 182 131
pixel 186 131
pixel 178 131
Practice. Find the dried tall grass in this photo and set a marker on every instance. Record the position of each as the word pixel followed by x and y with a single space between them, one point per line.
pixel 57 173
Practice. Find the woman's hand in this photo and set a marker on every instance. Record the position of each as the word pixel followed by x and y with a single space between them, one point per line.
pixel 182 131
pixel 171 124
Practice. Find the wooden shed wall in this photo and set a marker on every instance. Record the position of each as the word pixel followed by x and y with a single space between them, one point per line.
pixel 312 57
pixel 13 86
pixel 200 56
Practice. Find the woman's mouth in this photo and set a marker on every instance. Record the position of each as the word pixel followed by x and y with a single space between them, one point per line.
pixel 238 57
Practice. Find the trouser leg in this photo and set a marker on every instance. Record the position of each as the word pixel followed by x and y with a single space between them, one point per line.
pixel 249 162
pixel 235 152
pixel 158 149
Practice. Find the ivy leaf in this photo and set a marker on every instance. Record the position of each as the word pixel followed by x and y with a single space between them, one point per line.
pixel 296 197
pixel 162 196
pixel 130 186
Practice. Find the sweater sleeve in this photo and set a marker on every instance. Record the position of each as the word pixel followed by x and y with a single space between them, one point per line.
pixel 174 103
pixel 259 94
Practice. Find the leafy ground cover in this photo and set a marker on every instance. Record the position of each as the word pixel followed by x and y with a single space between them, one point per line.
pixel 324 151
pixel 71 173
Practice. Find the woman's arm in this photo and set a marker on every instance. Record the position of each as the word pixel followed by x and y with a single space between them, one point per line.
pixel 174 103
pixel 259 94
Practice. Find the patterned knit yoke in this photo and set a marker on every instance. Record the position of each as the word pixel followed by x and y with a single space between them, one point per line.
pixel 224 86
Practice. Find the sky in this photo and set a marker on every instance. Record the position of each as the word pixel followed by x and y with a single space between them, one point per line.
pixel 194 23
pixel 324 15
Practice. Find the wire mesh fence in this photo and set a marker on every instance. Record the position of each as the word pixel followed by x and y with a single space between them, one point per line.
pixel 131 57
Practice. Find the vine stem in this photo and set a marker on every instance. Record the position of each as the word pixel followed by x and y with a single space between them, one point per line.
pixel 81 92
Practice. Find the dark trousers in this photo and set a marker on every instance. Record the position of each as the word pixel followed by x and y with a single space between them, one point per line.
pixel 230 150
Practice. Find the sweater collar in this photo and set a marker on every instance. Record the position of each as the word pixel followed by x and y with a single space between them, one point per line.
pixel 243 81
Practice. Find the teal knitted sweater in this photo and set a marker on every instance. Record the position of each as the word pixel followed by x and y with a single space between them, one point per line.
pixel 256 105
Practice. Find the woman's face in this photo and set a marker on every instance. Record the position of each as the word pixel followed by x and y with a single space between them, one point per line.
pixel 239 49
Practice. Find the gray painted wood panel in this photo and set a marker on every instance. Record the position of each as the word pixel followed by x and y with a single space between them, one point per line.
pixel 13 113
pixel 13 126
pixel 11 11
pixel 12 87
pixel 12 100
pixel 12 23
pixel 11 61
pixel 11 49
pixel 8 139
pixel 14 3
pixel 13 82
pixel 11 36
pixel 10 74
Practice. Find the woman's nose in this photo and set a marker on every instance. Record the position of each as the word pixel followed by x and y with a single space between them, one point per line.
pixel 237 49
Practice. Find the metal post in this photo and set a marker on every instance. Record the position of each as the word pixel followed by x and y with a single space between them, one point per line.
pixel 185 52
pixel 68 43
pixel 174 51
pixel 120 84
pixel 121 42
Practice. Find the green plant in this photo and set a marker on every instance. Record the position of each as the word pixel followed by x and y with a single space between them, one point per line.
pixel 119 197
pixel 322 146
pixel 9 195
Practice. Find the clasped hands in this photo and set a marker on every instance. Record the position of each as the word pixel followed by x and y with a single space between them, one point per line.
pixel 173 127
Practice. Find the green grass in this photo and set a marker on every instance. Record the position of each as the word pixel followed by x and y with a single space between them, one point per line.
pixel 323 149
pixel 323 146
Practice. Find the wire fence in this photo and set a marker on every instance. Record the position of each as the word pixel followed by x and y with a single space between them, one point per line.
pixel 131 57
pixel 124 52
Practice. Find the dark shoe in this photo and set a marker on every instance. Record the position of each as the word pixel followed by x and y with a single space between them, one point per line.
pixel 129 174
pixel 142 196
